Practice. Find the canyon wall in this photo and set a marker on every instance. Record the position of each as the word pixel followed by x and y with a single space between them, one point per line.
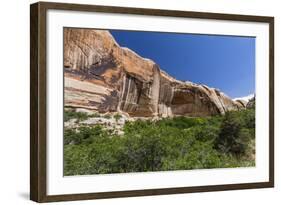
pixel 103 76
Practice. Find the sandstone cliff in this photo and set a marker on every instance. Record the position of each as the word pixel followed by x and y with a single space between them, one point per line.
pixel 100 75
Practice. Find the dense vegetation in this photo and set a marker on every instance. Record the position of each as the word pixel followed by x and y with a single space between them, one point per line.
pixel 178 143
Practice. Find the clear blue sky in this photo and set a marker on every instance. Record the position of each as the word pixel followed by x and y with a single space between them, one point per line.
pixel 223 62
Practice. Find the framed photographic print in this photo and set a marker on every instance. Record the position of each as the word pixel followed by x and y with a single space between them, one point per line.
pixel 135 102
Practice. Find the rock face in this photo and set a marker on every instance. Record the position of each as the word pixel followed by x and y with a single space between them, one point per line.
pixel 100 75
pixel 251 103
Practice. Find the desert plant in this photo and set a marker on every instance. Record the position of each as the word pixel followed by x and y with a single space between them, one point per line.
pixel 168 144
pixel 117 117
pixel 74 115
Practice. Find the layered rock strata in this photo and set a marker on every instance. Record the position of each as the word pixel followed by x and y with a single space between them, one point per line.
pixel 103 76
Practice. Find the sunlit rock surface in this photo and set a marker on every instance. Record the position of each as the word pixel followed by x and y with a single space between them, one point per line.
pixel 100 75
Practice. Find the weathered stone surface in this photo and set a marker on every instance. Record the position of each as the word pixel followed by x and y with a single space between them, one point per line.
pixel 100 75
pixel 241 103
pixel 251 103
pixel 246 101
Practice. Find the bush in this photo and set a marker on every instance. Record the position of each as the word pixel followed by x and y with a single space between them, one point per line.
pixel 94 115
pixel 117 117
pixel 107 116
pixel 235 135
pixel 178 143
pixel 74 115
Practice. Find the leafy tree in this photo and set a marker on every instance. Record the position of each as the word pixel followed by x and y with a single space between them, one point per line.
pixel 178 143
pixel 233 138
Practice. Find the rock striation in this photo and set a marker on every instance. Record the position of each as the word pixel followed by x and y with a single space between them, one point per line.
pixel 103 76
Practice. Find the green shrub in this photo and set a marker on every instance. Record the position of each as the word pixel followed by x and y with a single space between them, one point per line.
pixel 94 115
pixel 181 122
pixel 72 137
pixel 234 136
pixel 107 116
pixel 74 115
pixel 117 117
pixel 179 143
